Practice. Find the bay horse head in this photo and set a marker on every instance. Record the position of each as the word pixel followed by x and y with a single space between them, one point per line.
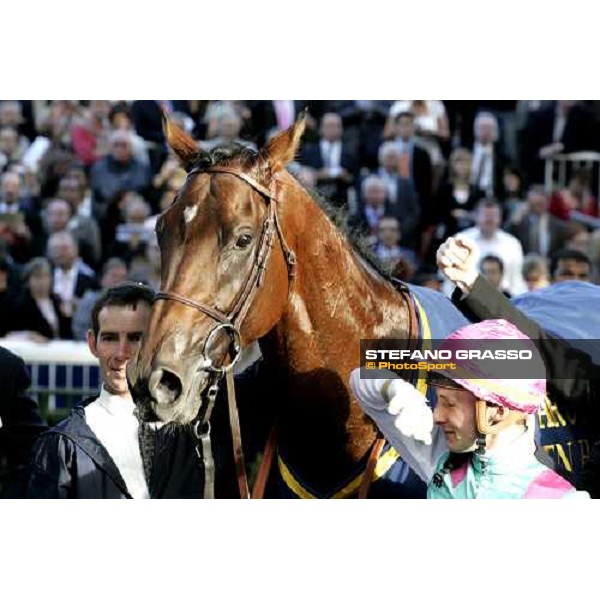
pixel 226 270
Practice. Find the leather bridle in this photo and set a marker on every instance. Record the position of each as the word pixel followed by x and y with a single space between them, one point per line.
pixel 232 320
pixel 230 323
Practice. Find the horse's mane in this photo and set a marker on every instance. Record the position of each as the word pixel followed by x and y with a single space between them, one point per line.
pixel 241 156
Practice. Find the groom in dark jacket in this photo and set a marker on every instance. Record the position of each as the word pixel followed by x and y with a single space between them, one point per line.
pixel 97 451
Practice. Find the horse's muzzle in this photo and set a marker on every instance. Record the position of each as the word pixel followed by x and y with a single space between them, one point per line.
pixel 172 397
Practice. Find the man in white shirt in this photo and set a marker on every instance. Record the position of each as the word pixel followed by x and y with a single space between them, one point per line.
pixel 96 452
pixel 490 239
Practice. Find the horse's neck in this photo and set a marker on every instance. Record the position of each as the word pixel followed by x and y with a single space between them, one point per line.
pixel 336 300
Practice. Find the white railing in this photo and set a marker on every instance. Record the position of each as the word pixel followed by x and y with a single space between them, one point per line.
pixel 558 169
pixel 62 372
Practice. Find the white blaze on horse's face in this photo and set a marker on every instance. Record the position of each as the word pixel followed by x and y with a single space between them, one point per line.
pixel 190 213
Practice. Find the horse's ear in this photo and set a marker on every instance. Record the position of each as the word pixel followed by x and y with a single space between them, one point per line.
pixel 184 145
pixel 281 149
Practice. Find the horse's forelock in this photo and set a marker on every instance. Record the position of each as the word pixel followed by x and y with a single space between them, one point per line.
pixel 227 155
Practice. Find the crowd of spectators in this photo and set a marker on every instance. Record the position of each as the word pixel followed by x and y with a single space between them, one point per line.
pixel 82 183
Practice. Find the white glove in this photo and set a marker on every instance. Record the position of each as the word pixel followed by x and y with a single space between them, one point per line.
pixel 413 415
pixel 457 257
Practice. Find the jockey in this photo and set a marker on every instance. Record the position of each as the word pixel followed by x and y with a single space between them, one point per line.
pixel 478 442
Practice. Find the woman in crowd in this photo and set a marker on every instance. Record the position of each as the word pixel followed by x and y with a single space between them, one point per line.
pixel 37 314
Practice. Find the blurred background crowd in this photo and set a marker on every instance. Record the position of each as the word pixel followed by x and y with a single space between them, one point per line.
pixel 82 183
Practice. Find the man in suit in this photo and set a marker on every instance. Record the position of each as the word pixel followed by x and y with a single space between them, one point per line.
pixel 372 207
pixel 59 216
pixel 538 231
pixel 20 424
pixel 364 121
pixel 388 157
pixel 335 165
pixel 488 160
pixel 413 195
pixel 72 277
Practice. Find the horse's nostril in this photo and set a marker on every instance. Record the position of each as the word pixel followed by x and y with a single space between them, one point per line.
pixel 165 386
pixel 171 382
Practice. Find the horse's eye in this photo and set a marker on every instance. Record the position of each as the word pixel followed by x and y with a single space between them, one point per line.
pixel 243 241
